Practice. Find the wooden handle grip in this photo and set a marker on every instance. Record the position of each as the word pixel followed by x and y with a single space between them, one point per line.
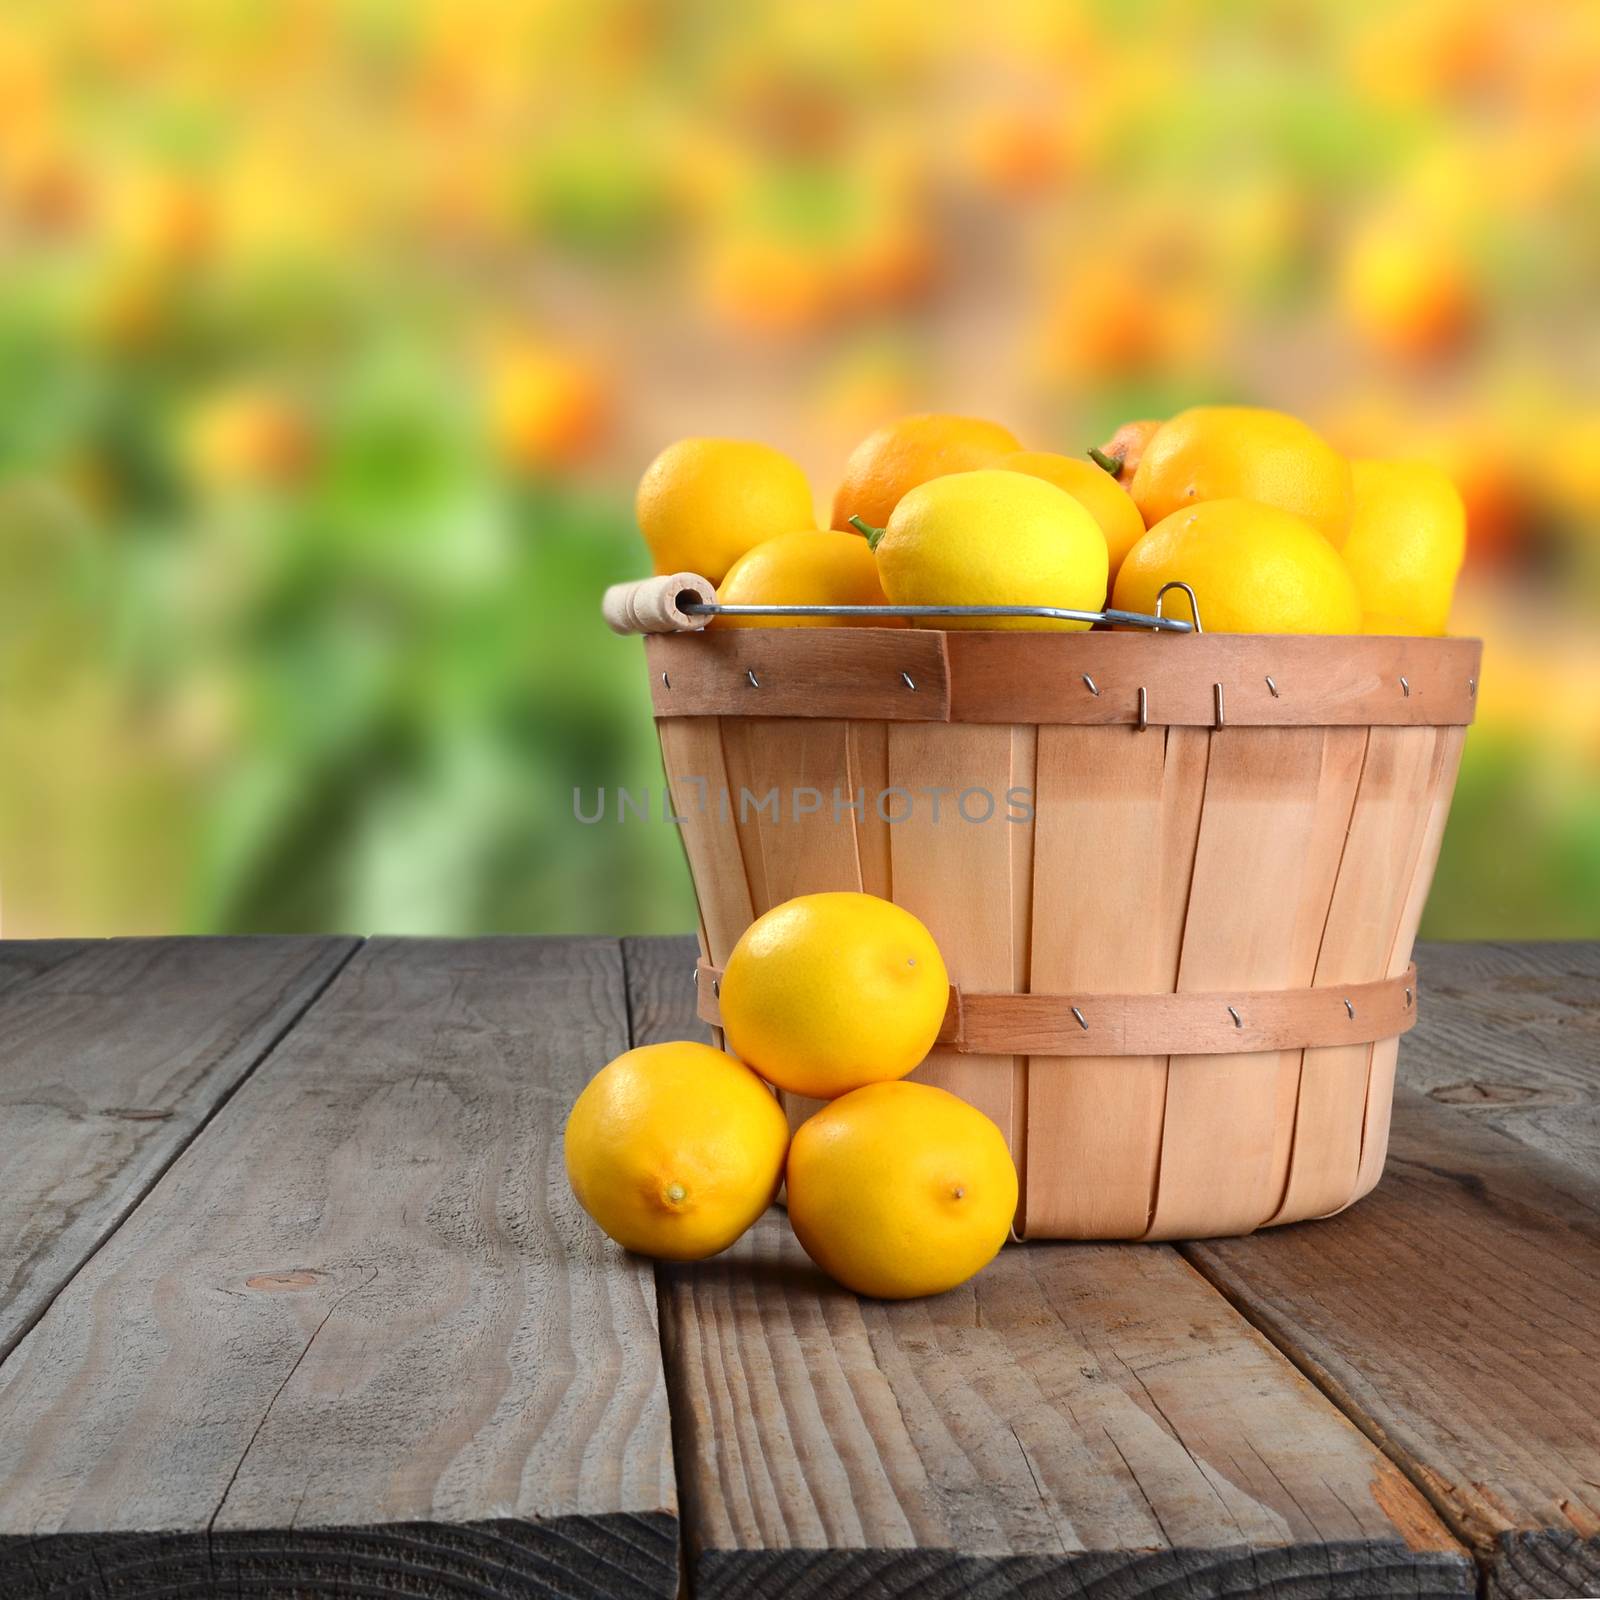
pixel 653 605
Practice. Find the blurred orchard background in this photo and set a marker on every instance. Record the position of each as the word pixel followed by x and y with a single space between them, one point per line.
pixel 334 335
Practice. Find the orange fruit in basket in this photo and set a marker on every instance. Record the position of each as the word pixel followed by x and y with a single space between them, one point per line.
pixel 905 453
pixel 811 568
pixel 1242 452
pixel 1408 534
pixel 675 1149
pixel 901 1189
pixel 827 992
pixel 1094 489
pixel 1253 569
pixel 703 502
pixel 1125 448
pixel 994 537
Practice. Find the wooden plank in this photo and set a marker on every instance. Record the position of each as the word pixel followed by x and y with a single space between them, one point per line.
pixel 110 1060
pixel 1080 1420
pixel 23 960
pixel 360 1339
pixel 1509 1035
pixel 1453 1313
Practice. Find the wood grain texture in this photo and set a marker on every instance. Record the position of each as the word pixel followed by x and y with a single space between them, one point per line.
pixel 1094 1125
pixel 1319 681
pixel 112 1054
pixel 1380 1075
pixel 1388 826
pixel 1277 803
pixel 1077 1421
pixel 956 875
pixel 359 1339
pixel 1453 1313
pixel 23 960
pixel 1513 1042
pixel 801 672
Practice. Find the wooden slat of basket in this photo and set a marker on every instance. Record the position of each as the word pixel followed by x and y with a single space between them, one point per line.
pixel 1385 1053
pixel 1276 805
pixel 957 876
pixel 691 749
pixel 804 852
pixel 867 748
pixel 1387 829
pixel 1116 823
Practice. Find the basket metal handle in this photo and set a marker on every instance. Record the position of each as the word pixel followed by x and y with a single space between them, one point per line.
pixel 677 604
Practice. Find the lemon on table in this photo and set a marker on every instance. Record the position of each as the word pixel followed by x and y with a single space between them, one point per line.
pixel 993 537
pixel 911 451
pixel 827 992
pixel 815 568
pixel 900 1189
pixel 1094 489
pixel 675 1149
pixel 1408 534
pixel 1253 568
pixel 703 502
pixel 1242 452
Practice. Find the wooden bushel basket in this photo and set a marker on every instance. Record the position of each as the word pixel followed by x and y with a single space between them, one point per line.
pixel 1181 973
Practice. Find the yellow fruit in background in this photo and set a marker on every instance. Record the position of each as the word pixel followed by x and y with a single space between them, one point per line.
pixel 1241 452
pixel 895 459
pixel 1405 289
pixel 675 1149
pixel 827 992
pixel 703 502
pixel 1408 534
pixel 993 538
pixel 1094 489
pixel 1253 568
pixel 900 1189
pixel 812 568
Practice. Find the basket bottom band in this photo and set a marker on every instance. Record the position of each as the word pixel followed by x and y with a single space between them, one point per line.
pixel 1156 1024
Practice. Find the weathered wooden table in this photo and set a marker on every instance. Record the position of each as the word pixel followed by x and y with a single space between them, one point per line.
pixel 294 1301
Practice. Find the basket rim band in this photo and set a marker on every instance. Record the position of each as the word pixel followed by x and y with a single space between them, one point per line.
pixel 1133 680
pixel 1239 1023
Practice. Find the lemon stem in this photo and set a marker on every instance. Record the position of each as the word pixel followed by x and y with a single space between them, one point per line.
pixel 1111 464
pixel 867 531
pixel 677 1194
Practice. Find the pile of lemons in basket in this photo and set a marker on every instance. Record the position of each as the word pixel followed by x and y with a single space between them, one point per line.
pixel 895 1189
pixel 1274 530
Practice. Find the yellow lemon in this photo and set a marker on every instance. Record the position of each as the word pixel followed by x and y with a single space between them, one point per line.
pixel 827 992
pixel 1093 488
pixel 993 538
pixel 1253 568
pixel 911 451
pixel 1407 537
pixel 1240 452
pixel 901 1189
pixel 703 502
pixel 817 569
pixel 675 1149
